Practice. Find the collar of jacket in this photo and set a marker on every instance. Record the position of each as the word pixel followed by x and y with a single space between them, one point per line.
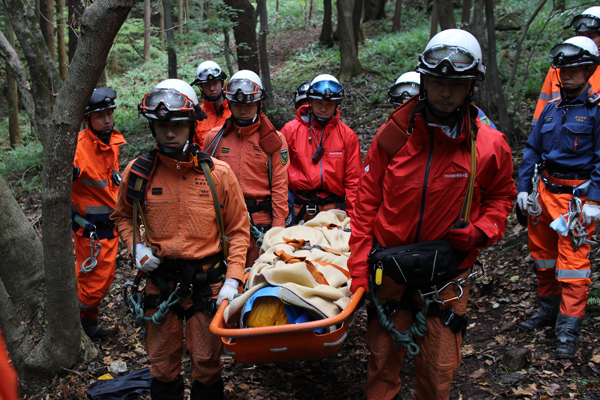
pixel 303 112
pixel 564 101
pixel 218 111
pixel 269 140
pixel 172 163
pixel 116 139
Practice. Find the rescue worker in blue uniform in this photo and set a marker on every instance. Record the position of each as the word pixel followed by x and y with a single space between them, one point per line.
pixel 565 147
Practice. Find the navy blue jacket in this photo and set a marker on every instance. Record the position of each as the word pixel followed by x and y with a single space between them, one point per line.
pixel 566 136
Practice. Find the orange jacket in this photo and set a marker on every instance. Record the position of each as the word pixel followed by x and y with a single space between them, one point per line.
pixel 180 214
pixel 213 119
pixel 9 389
pixel 246 151
pixel 94 192
pixel 339 169
pixel 550 90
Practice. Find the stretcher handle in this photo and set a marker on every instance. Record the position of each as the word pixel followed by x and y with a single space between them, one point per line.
pixel 217 325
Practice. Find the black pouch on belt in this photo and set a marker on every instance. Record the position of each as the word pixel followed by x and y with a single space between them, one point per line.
pixel 419 264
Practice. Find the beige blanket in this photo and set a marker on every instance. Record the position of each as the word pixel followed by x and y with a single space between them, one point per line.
pixel 319 251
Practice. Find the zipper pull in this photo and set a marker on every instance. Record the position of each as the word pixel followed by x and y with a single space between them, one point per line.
pixel 239 133
pixel 379 273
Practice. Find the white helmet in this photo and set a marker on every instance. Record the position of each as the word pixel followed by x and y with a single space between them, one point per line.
pixel 578 50
pixel 209 71
pixel 452 54
pixel 245 87
pixel 326 87
pixel 406 86
pixel 170 100
pixel 587 21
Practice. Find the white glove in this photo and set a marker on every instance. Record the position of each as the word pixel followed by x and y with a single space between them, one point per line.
pixel 229 289
pixel 144 259
pixel 590 213
pixel 522 200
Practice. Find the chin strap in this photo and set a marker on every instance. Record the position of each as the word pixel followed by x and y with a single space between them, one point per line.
pixel 243 123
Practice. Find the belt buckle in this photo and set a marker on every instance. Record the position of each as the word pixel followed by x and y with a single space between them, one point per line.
pixel 311 210
pixel 180 292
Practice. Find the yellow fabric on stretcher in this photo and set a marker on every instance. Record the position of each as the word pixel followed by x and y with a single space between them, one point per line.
pixel 267 311
pixel 299 280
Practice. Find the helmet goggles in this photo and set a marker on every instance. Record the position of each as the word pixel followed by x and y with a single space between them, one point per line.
pixel 569 55
pixel 167 104
pixel 243 91
pixel 208 75
pixel 402 91
pixel 585 23
pixel 450 61
pixel 326 90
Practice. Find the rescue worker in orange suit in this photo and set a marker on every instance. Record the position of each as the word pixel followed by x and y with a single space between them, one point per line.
pixel 407 86
pixel 566 145
pixel 183 250
pixel 325 158
pixel 211 79
pixel 96 181
pixel 412 189
pixel 256 152
pixel 584 24
pixel 9 389
pixel 301 95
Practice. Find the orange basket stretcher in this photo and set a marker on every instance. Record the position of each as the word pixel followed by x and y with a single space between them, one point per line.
pixel 283 343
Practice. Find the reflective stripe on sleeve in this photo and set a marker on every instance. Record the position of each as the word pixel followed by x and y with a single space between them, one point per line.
pixel 91 210
pixel 99 184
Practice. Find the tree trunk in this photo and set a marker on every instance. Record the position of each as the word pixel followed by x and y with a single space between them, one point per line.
pixel 60 39
pixel 356 14
pixel 147 27
pixel 201 12
pixel 227 51
pixel 465 14
pixel 161 29
pixel 368 10
pixel 397 16
pixel 63 343
pixel 265 72
pixel 380 12
pixel 75 9
pixel 180 21
pixel 483 96
pixel 326 38
pixel 349 64
pixel 12 94
pixel 445 13
pixel 245 34
pixel 171 45
pixel 492 72
pixel 47 25
pixel 434 19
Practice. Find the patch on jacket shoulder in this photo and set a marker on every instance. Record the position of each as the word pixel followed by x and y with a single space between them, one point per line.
pixel 549 119
pixel 156 191
pixel 224 149
pixel 284 156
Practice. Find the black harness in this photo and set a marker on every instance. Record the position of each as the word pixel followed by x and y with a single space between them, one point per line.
pixel 311 203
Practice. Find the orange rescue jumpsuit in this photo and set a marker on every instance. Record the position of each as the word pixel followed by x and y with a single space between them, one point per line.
pixel 214 118
pixel 94 196
pixel 181 224
pixel 9 389
pixel 551 91
pixel 246 151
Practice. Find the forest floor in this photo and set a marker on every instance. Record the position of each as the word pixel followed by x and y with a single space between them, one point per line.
pixel 506 296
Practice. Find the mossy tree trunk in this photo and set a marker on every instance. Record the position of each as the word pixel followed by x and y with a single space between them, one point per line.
pixel 349 64
pixel 28 265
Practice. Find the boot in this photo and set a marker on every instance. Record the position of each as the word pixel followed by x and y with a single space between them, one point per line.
pixel 546 316
pixel 567 330
pixel 94 331
pixel 166 390
pixel 200 391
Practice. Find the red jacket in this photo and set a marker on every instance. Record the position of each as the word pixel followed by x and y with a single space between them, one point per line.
pixel 337 172
pixel 417 195
pixel 94 193
pixel 213 119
